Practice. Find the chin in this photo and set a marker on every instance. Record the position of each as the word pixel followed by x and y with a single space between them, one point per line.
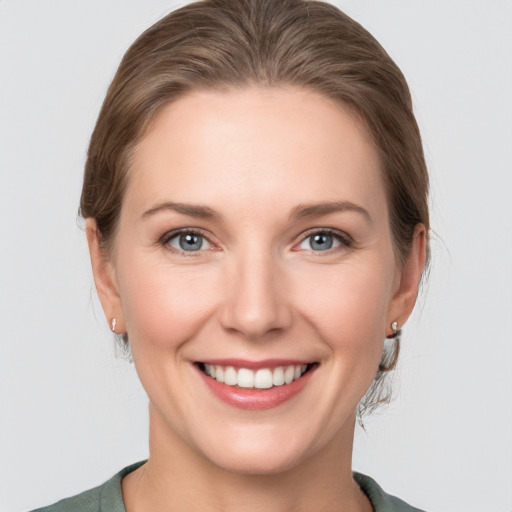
pixel 258 452
pixel 262 463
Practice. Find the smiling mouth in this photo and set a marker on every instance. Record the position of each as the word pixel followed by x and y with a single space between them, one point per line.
pixel 263 378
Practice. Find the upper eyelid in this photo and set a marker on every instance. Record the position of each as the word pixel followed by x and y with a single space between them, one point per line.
pixel 342 235
pixel 169 235
pixel 174 232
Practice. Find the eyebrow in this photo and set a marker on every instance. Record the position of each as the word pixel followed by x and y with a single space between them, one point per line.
pixel 192 210
pixel 301 211
pixel 304 211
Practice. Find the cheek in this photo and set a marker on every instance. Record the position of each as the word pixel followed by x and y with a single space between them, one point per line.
pixel 348 306
pixel 164 305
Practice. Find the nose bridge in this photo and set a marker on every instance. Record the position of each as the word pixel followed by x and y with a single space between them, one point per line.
pixel 256 303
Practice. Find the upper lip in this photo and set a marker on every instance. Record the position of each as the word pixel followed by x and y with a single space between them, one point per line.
pixel 255 365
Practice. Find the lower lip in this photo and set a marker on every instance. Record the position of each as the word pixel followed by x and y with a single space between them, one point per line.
pixel 256 399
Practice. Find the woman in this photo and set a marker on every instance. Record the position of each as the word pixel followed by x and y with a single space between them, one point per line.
pixel 255 198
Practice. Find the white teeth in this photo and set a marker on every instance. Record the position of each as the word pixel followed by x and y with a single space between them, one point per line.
pixel 278 376
pixel 245 378
pixel 264 378
pixel 289 373
pixel 219 374
pixel 230 376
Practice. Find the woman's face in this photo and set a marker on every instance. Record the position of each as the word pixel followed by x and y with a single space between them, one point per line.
pixel 254 238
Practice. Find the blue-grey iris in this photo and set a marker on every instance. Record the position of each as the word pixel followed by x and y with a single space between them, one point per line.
pixel 190 242
pixel 321 241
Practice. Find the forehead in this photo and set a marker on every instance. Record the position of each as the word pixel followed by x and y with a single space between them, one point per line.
pixel 255 145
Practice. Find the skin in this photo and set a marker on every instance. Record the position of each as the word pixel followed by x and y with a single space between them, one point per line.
pixel 256 290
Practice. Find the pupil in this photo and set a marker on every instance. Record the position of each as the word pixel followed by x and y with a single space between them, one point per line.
pixel 190 242
pixel 321 242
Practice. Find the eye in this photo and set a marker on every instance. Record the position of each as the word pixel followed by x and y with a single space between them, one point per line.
pixel 187 241
pixel 322 241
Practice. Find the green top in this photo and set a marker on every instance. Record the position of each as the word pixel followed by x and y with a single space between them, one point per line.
pixel 108 497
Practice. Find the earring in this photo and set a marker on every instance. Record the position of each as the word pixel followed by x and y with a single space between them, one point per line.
pixel 390 358
pixel 113 325
pixel 394 327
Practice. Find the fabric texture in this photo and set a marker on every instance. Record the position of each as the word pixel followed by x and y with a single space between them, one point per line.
pixel 381 501
pixel 108 497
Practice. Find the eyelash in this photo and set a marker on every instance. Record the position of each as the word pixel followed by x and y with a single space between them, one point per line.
pixel 185 231
pixel 344 240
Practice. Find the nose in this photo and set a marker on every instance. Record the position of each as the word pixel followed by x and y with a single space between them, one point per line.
pixel 256 304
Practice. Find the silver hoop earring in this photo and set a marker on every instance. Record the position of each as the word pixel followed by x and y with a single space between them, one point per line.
pixel 113 325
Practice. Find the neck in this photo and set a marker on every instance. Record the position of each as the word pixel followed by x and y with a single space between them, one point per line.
pixel 176 474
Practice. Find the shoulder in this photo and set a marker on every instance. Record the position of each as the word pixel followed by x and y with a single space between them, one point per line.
pixel 104 498
pixel 381 501
pixel 88 501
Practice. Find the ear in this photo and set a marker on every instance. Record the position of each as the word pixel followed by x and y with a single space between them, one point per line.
pixel 410 273
pixel 104 278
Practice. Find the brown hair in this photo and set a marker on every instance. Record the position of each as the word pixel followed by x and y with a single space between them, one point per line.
pixel 226 44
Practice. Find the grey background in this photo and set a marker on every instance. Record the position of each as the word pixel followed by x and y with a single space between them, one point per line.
pixel 72 413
